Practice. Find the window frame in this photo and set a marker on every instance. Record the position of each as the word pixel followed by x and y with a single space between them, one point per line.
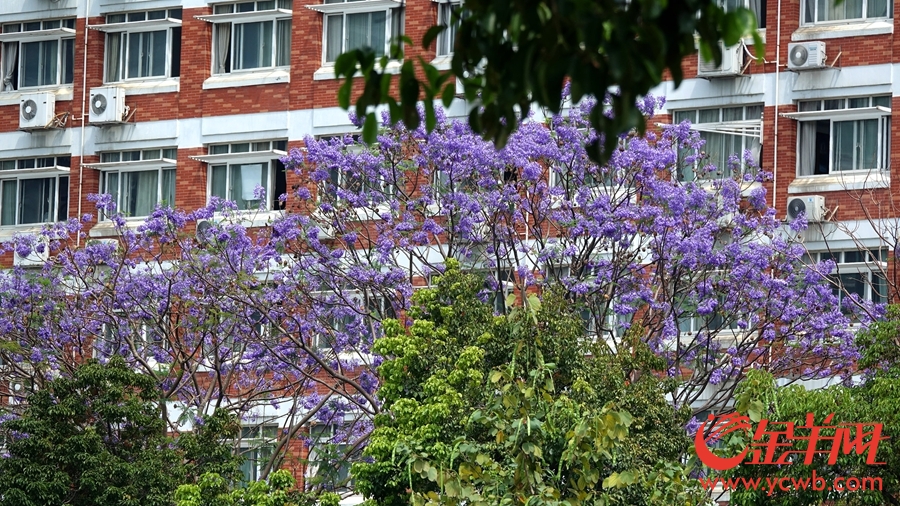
pixel 318 439
pixel 873 264
pixel 394 21
pixel 56 172
pixel 257 445
pixel 125 29
pixel 807 19
pixel 832 114
pixel 163 161
pixel 60 34
pixel 282 12
pixel 445 17
pixel 747 130
pixel 271 156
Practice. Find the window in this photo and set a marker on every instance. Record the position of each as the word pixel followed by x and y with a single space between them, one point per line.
pixel 34 190
pixel 251 35
pixel 346 315
pixel 356 24
pixel 142 45
pixel 447 38
pixel 37 54
pixel 758 7
pixel 237 170
pixel 726 131
pixel 329 458
pixel 372 190
pixel 837 135
pixel 139 180
pixel 859 273
pixel 255 449
pixel 823 11
pixel 149 336
pixel 498 285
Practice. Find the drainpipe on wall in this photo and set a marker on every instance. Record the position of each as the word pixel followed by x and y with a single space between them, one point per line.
pixel 777 98
pixel 84 114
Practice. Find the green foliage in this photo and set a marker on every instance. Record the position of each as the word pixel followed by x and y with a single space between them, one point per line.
pixel 484 409
pixel 214 490
pixel 876 400
pixel 98 438
pixel 513 54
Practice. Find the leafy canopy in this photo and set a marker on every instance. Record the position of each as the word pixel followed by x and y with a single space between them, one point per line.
pixel 482 409
pixel 98 439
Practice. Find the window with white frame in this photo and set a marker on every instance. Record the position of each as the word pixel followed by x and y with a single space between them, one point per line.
pixel 824 11
pixel 349 309
pixel 329 459
pixel 689 322
pixel 757 7
pixel 250 174
pixel 354 24
pixel 843 134
pixel 37 54
pixel 858 272
pixel 250 35
pixel 375 190
pixel 149 337
pixel 447 38
pixel 255 448
pixel 727 131
pixel 138 180
pixel 142 45
pixel 34 190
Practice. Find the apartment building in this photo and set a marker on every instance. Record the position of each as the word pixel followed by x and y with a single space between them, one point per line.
pixel 816 111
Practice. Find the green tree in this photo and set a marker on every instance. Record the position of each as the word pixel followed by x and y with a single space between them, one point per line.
pixel 214 490
pixel 98 438
pixel 875 400
pixel 514 54
pixel 484 409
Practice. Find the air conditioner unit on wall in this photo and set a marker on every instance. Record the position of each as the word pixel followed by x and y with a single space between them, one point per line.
pixel 35 258
pixel 812 205
pixel 732 63
pixel 107 105
pixel 37 110
pixel 806 55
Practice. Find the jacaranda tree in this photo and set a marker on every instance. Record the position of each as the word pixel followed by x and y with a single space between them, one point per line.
pixel 276 322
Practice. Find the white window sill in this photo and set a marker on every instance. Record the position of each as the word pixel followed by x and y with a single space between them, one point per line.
pixel 327 71
pixel 15 97
pixel 249 219
pixel 851 29
pixel 857 180
pixel 442 62
pixel 107 228
pixel 148 87
pixel 238 79
pixel 9 232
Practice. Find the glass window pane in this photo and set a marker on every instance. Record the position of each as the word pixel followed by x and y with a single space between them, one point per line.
pixel 359 30
pixel 219 182
pixel 680 116
pixel 335 37
pixel 244 180
pixel 69 23
pixel 62 201
pixel 150 154
pixel 883 101
pixel 160 14
pixel 32 26
pixel 135 55
pixel 30 63
pixel 109 157
pixel 8 165
pixel 283 43
pixel 115 18
pixel 754 112
pixel 12 28
pixel 157 57
pixel 733 114
pixel 8 203
pixel 175 13
pixel 223 9
pixel 253 45
pixel 26 163
pixel 131 156
pixel 168 188
pixel 68 60
pixel 831 105
pixel 265 5
pixel 36 200
pixel 137 16
pixel 280 145
pixel 868 145
pixel 814 105
pixel 709 116
pixel 843 143
pixel 140 192
pixel 856 103
pixel 241 147
pixel 112 188
pixel 260 146
pixel 170 153
pixel 51 24
pixel 246 7
pixel 218 149
pixel 378 36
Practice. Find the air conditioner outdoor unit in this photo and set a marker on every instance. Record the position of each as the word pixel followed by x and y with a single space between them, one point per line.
pixel 811 205
pixel 107 105
pixel 732 63
pixel 460 89
pixel 806 55
pixel 37 110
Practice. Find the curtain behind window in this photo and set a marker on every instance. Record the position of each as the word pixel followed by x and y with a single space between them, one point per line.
pixel 223 47
pixel 807 148
pixel 8 199
pixel 9 65
pixel 139 192
pixel 113 57
pixel 283 43
pixel 334 37
pixel 36 200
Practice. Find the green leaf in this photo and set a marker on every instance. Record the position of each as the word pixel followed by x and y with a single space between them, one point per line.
pixel 370 128
pixel 448 94
pixel 431 35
